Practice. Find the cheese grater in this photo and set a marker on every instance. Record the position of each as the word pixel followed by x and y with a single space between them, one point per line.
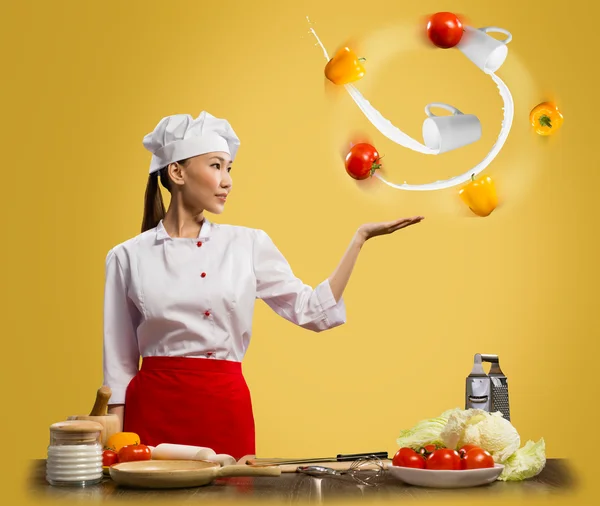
pixel 487 391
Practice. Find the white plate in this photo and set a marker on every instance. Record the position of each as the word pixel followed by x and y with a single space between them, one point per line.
pixel 446 479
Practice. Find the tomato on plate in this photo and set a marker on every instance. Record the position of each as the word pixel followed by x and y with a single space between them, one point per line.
pixel 362 161
pixel 477 458
pixel 444 459
pixel 109 457
pixel 134 452
pixel 464 449
pixel 444 29
pixel 407 457
pixel 427 449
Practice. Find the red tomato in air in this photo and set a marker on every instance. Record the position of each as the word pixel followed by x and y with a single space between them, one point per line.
pixel 444 459
pixel 362 161
pixel 109 457
pixel 407 457
pixel 477 458
pixel 134 452
pixel 444 29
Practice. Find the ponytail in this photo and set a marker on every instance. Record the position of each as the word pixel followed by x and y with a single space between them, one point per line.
pixel 154 207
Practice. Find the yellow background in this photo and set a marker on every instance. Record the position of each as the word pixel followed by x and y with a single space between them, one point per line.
pixel 84 81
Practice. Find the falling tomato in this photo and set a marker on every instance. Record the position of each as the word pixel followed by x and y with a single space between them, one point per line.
pixel 444 29
pixel 362 161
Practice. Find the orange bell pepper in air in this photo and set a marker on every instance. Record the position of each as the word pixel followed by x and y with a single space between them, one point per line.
pixel 545 118
pixel 480 195
pixel 345 67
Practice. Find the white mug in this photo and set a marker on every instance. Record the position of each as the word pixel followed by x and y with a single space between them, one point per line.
pixel 484 51
pixel 445 133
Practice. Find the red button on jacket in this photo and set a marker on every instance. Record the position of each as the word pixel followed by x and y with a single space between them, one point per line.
pixel 199 243
pixel 203 274
pixel 207 313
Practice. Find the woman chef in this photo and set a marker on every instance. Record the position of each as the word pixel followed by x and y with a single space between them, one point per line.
pixel 181 295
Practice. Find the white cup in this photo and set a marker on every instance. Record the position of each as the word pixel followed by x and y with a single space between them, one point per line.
pixel 484 51
pixel 445 133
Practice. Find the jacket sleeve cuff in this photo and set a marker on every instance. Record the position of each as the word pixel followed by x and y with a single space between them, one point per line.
pixel 117 395
pixel 335 312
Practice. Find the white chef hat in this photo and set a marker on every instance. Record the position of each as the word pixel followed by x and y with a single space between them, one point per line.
pixel 180 136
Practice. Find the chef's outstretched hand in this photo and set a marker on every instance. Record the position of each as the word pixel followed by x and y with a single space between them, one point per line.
pixel 369 230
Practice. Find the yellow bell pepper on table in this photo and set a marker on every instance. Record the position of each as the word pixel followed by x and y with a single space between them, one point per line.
pixel 480 195
pixel 545 118
pixel 345 67
pixel 121 439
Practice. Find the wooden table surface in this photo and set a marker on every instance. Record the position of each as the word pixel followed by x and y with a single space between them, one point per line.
pixel 556 478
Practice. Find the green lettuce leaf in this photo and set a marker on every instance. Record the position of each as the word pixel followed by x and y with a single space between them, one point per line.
pixel 425 432
pixel 490 431
pixel 526 462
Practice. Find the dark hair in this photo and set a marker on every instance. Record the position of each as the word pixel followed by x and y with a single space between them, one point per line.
pixel 154 207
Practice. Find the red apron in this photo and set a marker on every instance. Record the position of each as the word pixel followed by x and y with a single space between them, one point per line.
pixel 191 401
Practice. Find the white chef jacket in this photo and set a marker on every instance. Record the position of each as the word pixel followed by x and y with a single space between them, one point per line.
pixel 181 297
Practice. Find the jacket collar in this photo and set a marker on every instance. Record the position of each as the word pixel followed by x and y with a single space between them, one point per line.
pixel 204 235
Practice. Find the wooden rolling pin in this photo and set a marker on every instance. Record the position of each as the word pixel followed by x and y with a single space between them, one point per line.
pixel 99 413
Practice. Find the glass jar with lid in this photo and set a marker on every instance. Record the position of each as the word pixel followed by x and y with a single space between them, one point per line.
pixel 74 454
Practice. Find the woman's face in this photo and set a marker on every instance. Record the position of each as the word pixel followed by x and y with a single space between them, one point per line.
pixel 204 181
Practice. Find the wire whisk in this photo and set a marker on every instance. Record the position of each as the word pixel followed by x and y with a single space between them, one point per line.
pixel 368 471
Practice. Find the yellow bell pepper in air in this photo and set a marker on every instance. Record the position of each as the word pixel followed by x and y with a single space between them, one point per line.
pixel 344 67
pixel 545 118
pixel 480 195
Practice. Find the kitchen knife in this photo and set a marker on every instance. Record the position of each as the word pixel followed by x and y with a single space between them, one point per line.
pixel 339 458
